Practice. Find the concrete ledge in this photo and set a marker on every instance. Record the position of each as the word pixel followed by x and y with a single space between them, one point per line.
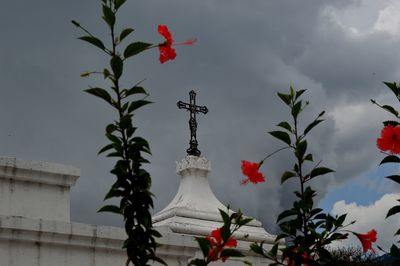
pixel 77 234
pixel 60 233
pixel 26 241
pixel 38 172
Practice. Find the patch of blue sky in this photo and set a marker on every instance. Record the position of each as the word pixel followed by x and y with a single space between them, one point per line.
pixel 363 190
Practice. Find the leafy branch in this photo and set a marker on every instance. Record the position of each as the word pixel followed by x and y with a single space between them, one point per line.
pixel 133 182
pixel 307 230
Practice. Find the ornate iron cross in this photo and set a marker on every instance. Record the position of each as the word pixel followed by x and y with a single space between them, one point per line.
pixel 194 109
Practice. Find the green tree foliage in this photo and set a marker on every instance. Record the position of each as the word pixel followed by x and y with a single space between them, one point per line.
pixel 220 244
pixel 306 229
pixel 391 157
pixel 133 182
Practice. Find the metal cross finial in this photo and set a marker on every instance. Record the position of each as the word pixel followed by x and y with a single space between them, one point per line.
pixel 194 109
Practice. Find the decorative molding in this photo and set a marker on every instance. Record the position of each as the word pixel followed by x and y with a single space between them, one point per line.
pixel 38 172
pixel 193 162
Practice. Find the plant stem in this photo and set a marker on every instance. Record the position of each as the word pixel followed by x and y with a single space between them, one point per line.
pixel 269 155
pixel 300 171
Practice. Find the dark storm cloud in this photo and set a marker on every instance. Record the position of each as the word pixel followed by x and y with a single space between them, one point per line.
pixel 246 52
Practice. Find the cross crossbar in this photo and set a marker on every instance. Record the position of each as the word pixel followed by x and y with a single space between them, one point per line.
pixel 193 109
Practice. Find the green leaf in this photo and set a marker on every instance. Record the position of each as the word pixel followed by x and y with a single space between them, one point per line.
pixel 393 87
pixel 130 131
pixel 395 251
pixel 390 109
pixel 135 48
pixel 140 141
pixel 274 250
pixel 390 159
pixel 312 125
pixel 315 212
pixel 119 3
pixel 225 233
pixel 155 233
pixel 114 193
pixel 116 66
pixel 291 91
pixel 106 148
pixel 125 122
pixel 299 93
pixel 287 175
pixel 204 245
pixel 101 93
pixel 320 171
pixel 337 236
pixel 225 217
pixel 301 149
pixel 281 135
pixel 135 90
pixel 106 73
pixel 245 221
pixel 279 237
pixel 85 74
pixel 94 41
pixel 124 107
pixel 320 216
pixel 340 220
pixel 285 214
pixel 125 33
pixel 285 98
pixel 395 178
pixel 296 109
pixel 391 122
pixel 137 104
pixel 197 262
pixel 110 208
pixel 111 128
pixel 393 210
pixel 257 248
pixel 285 125
pixel 229 252
pixel 108 16
pixel 309 157
pixel 113 138
pixel 157 259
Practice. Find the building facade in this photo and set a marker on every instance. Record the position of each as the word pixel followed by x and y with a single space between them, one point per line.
pixel 35 226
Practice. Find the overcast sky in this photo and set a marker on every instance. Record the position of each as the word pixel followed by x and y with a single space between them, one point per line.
pixel 340 51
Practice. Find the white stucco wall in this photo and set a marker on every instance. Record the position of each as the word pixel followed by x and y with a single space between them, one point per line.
pixel 35 229
pixel 35 242
pixel 36 189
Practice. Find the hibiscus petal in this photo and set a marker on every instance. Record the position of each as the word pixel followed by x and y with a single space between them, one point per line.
pixel 163 30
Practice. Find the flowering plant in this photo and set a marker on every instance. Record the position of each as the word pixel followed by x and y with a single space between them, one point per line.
pixel 389 144
pixel 367 239
pixel 220 244
pixel 306 229
pixel 133 182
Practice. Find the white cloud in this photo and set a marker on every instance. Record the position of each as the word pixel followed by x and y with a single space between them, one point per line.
pixel 370 217
pixel 388 19
pixel 361 18
pixel 350 118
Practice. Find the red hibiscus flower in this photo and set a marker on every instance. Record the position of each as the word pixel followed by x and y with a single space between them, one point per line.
pixel 367 239
pixel 291 262
pixel 390 139
pixel 165 48
pixel 217 245
pixel 251 170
